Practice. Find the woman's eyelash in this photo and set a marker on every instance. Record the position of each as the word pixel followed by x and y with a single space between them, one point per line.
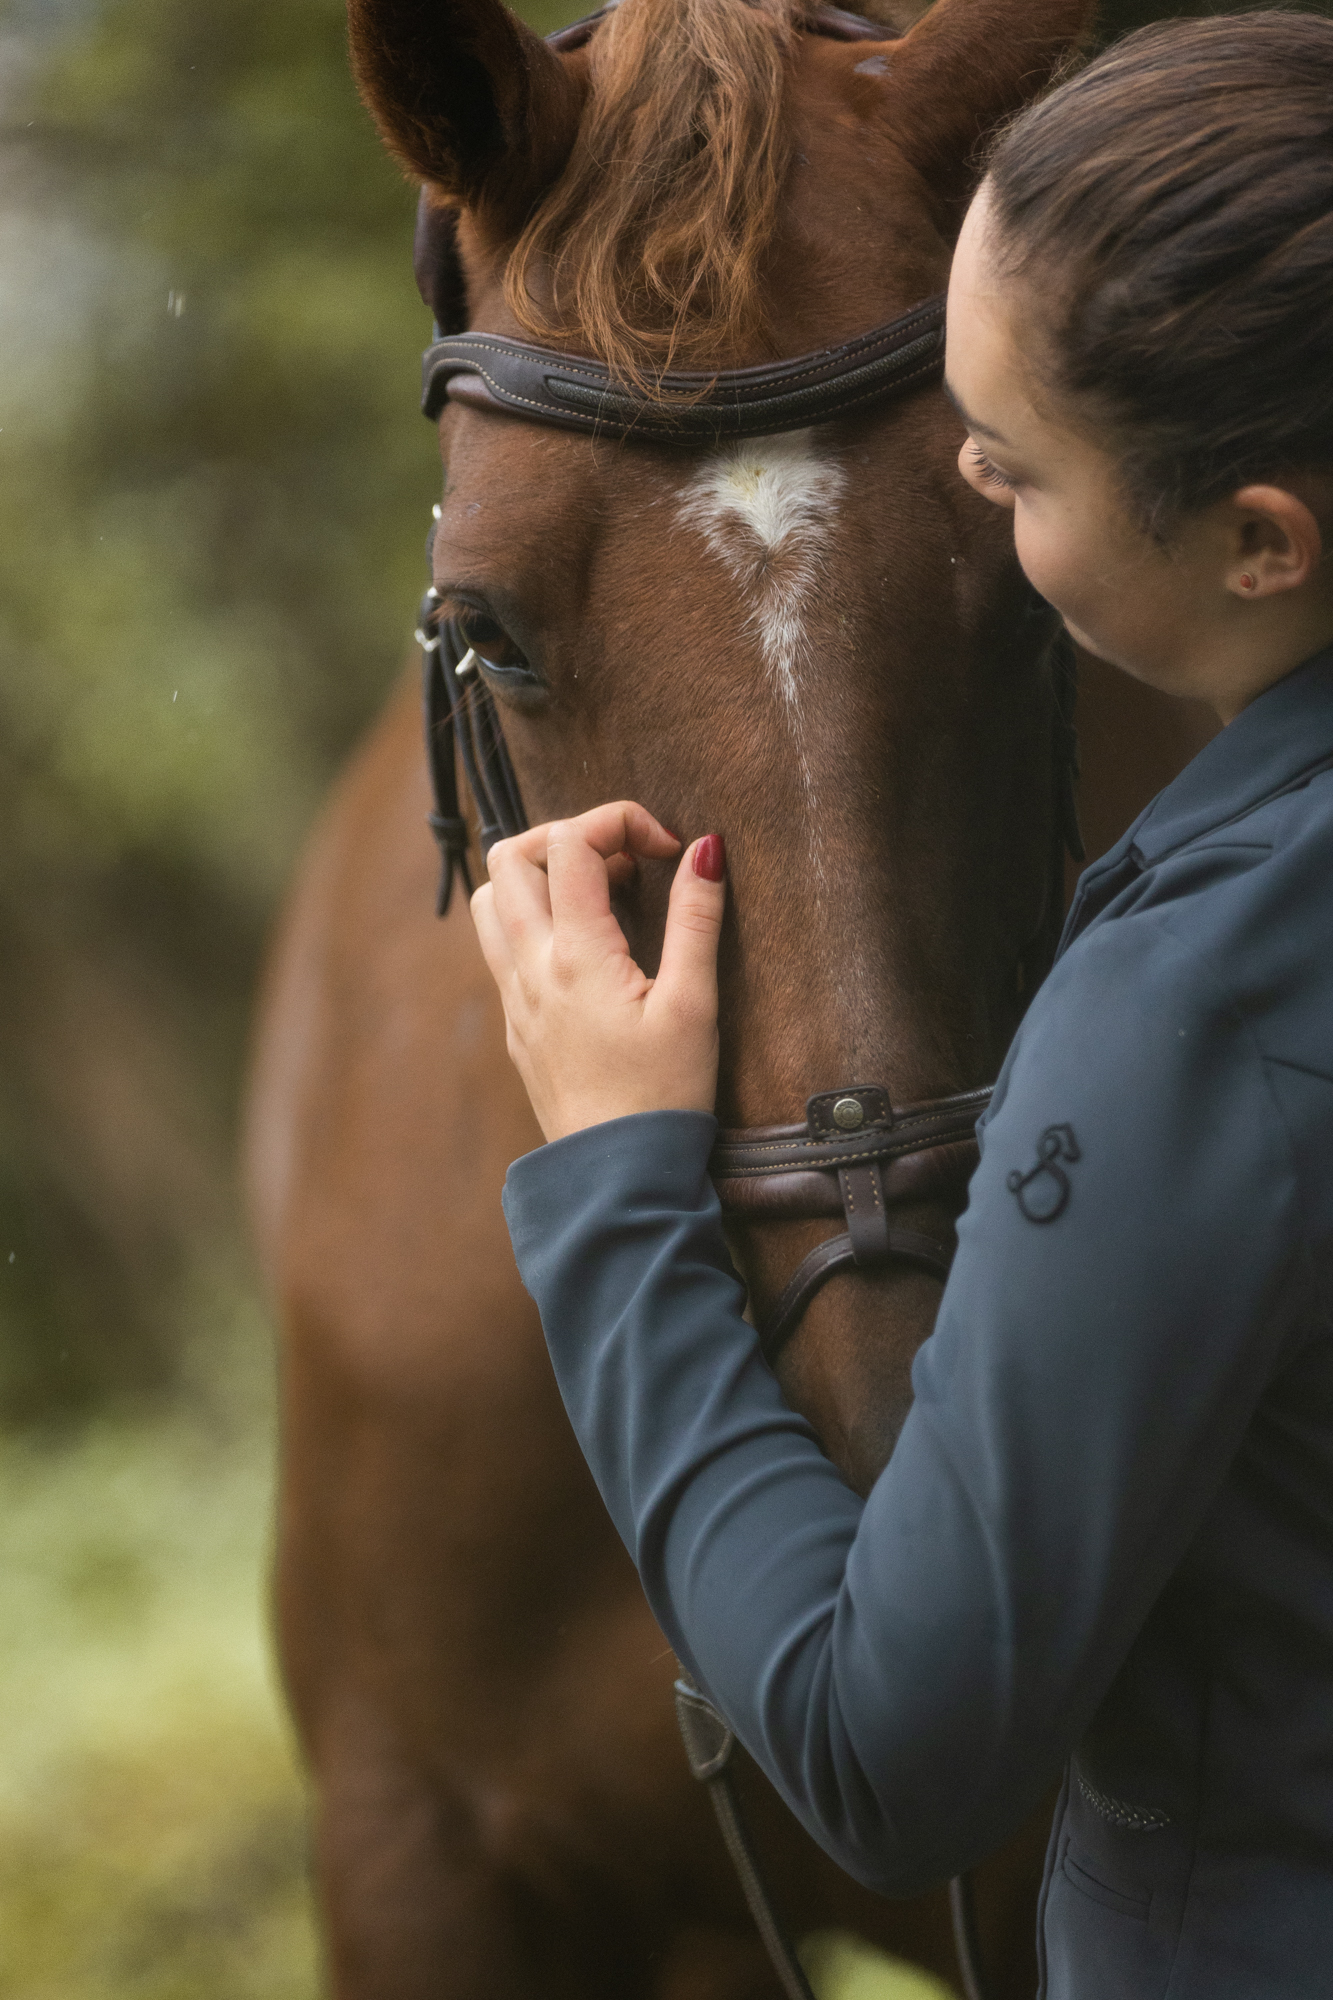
pixel 987 470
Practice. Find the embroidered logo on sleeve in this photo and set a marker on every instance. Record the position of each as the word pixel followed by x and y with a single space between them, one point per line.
pixel 1043 1191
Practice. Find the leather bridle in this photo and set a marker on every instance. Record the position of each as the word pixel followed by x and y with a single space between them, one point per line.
pixel 697 408
pixel 856 1157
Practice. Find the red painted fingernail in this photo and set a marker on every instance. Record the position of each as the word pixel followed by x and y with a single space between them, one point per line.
pixel 669 834
pixel 710 858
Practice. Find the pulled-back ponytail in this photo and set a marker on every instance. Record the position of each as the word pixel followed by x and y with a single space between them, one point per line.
pixel 1171 211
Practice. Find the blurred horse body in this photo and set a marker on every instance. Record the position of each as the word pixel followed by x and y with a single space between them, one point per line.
pixel 814 645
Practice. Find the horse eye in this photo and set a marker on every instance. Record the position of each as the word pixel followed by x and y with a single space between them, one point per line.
pixel 489 640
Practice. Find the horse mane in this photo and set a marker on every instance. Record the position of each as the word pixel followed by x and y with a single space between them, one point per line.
pixel 650 246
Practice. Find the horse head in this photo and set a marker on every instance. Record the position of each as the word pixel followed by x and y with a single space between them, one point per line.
pixel 817 644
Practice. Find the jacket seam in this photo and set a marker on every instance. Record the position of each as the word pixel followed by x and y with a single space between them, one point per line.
pixel 1300 1069
pixel 1055 1854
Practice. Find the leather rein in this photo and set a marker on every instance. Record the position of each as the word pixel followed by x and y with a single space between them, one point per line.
pixel 856 1156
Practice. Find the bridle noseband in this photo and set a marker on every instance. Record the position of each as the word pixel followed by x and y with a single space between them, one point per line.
pixel 854 1157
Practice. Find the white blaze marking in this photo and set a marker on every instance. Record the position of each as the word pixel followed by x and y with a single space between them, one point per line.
pixel 767 509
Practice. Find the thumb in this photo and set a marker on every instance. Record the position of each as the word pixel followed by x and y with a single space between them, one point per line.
pixel 687 974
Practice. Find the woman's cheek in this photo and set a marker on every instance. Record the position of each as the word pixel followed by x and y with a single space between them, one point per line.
pixel 1048 563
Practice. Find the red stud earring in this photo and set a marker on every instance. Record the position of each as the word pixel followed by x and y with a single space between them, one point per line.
pixel 1247 581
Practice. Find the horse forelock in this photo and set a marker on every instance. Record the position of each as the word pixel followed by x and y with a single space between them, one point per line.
pixel 650 247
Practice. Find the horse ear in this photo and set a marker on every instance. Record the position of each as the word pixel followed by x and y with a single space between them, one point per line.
pixel 468 98
pixel 966 65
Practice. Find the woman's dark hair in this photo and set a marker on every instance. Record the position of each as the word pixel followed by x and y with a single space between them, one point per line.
pixel 1171 207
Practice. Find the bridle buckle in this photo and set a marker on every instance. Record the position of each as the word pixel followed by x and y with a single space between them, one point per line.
pixel 860 1107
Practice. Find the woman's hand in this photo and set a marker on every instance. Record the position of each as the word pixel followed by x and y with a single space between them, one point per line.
pixel 591 1037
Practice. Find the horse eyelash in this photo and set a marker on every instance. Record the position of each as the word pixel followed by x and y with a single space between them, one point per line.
pixel 986 469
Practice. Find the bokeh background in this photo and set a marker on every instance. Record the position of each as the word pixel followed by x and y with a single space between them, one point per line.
pixel 214 489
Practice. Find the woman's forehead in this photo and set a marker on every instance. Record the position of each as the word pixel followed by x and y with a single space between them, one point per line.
pixel 982 359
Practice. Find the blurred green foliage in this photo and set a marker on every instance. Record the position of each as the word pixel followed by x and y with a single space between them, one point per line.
pixel 152 1838
pixel 214 488
pixel 213 494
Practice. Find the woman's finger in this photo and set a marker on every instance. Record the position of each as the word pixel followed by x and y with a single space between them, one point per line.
pixel 622 826
pixel 687 976
pixel 580 886
pixel 491 936
pixel 522 894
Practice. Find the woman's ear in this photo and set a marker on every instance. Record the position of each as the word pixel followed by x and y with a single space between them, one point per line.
pixel 468 98
pixel 1276 543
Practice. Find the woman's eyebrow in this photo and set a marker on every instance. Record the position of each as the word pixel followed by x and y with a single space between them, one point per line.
pixel 982 430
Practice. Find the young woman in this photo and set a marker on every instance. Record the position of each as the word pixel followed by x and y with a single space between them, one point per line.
pixel 1104 1541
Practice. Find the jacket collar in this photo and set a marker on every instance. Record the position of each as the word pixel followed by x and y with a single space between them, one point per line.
pixel 1285 734
pixel 1282 736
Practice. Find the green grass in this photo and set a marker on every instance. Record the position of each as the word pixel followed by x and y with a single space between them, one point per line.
pixel 152 1823
pixel 842 1967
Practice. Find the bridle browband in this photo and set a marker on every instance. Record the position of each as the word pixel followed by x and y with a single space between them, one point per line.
pixel 698 409
pixel 856 1157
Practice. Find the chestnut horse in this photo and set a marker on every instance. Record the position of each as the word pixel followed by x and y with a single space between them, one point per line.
pixel 816 646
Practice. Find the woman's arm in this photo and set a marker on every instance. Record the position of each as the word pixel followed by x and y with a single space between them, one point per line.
pixel 912 1672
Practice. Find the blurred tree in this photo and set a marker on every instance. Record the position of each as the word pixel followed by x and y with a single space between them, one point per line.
pixel 213 493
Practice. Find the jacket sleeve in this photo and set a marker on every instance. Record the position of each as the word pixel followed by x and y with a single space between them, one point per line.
pixel 913 1671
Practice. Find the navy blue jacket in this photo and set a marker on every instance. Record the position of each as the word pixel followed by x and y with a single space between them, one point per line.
pixel 1104 1542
